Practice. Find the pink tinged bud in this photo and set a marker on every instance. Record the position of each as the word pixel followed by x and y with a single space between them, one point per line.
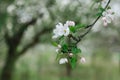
pixel 70 23
pixel 110 12
pixel 70 54
pixel 104 21
pixel 109 19
pixel 82 60
pixel 58 49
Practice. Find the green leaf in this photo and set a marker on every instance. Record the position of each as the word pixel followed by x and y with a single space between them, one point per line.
pixel 61 40
pixel 76 50
pixel 59 56
pixel 73 61
pixel 97 1
pixel 72 45
pixel 80 26
pixel 101 9
pixel 99 14
pixel 72 29
pixel 54 44
pixel 64 48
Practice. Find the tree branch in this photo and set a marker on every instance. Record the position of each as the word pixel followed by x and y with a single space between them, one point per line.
pixel 6 36
pixel 97 17
pixel 34 41
pixel 90 26
pixel 16 38
pixel 74 38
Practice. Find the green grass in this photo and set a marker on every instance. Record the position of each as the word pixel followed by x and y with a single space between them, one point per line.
pixel 40 64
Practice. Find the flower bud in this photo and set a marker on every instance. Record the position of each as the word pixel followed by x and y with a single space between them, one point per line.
pixel 82 60
pixel 63 61
pixel 70 23
pixel 57 50
pixel 104 21
pixel 70 54
pixel 59 46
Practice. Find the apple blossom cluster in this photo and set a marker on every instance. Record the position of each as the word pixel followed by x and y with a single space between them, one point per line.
pixel 107 17
pixel 67 52
pixel 65 60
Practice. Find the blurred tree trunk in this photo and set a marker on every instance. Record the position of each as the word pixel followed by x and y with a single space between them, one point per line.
pixel 12 54
pixel 9 65
pixel 10 58
pixel 68 70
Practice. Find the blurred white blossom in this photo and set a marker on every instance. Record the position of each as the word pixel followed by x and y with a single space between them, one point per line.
pixel 20 2
pixel 24 17
pixel 11 8
pixel 107 17
pixel 104 3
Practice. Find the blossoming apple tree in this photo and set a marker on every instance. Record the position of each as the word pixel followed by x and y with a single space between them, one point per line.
pixel 66 39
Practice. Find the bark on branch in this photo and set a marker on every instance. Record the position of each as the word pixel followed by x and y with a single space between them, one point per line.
pixel 34 41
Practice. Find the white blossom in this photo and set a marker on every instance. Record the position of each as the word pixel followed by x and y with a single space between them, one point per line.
pixel 63 61
pixel 60 30
pixel 11 8
pixel 107 17
pixel 70 23
pixel 104 3
pixel 82 60
pixel 20 2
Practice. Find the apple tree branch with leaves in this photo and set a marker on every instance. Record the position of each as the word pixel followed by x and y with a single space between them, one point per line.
pixel 65 36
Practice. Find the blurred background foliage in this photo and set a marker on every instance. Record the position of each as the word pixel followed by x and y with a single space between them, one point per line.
pixel 26 29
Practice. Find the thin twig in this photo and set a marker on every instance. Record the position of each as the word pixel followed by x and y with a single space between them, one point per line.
pixel 90 26
pixel 74 38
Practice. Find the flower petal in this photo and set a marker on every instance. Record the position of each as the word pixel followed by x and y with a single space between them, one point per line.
pixel 108 19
